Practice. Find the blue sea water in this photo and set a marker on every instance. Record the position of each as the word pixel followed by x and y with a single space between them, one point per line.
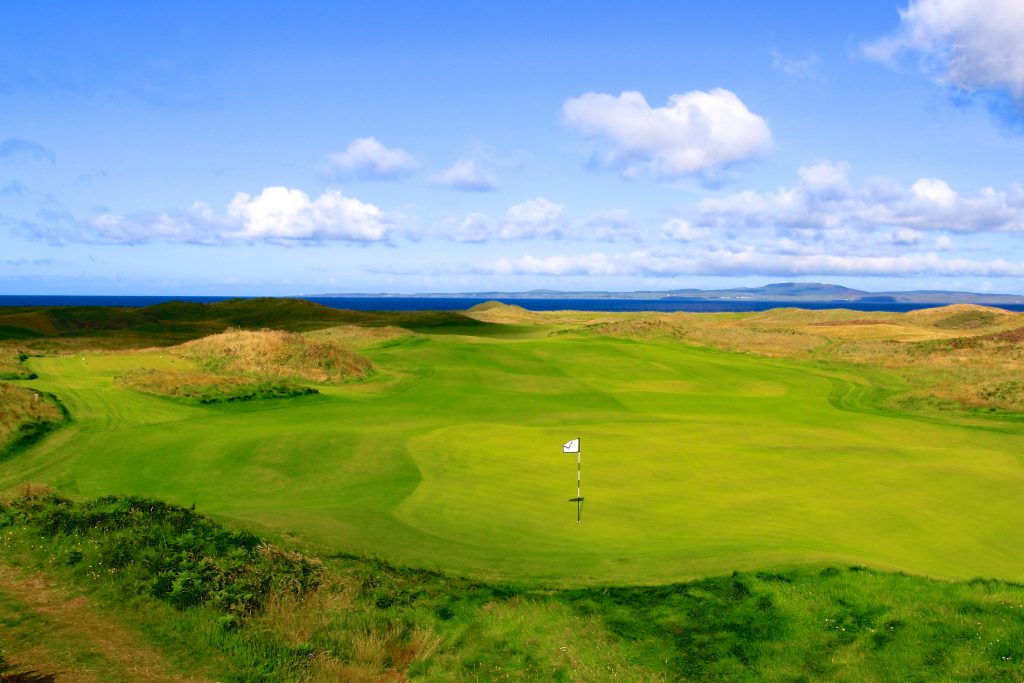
pixel 398 303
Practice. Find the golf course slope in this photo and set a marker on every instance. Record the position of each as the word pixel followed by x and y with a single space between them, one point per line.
pixel 696 461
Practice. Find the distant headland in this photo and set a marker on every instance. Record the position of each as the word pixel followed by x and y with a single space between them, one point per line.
pixel 780 291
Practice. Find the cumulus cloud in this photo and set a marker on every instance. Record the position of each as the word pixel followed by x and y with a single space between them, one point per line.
pixel 748 261
pixel 467 175
pixel 369 159
pixel 967 44
pixel 695 132
pixel 288 214
pixel 824 201
pixel 276 214
pixel 15 149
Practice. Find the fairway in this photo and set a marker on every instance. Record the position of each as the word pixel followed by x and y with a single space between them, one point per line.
pixel 695 462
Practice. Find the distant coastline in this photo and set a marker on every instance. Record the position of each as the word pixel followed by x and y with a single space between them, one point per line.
pixel 463 302
pixel 807 292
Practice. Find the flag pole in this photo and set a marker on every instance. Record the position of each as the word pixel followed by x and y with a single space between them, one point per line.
pixel 579 496
pixel 574 447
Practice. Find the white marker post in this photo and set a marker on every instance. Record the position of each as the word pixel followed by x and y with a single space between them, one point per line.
pixel 574 447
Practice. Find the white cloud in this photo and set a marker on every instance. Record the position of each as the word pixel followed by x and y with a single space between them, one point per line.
pixel 368 159
pixel 276 214
pixel 968 44
pixel 467 175
pixel 943 243
pixel 748 262
pixel 532 219
pixel 681 229
pixel 934 190
pixel 823 202
pixel 283 214
pixel 905 236
pixel 695 132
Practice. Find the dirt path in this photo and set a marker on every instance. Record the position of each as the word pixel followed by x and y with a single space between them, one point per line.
pixel 48 634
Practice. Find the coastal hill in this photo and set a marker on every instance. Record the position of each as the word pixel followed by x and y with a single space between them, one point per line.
pixel 779 291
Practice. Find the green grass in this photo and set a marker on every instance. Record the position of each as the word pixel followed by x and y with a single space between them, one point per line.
pixel 696 462
pixel 356 619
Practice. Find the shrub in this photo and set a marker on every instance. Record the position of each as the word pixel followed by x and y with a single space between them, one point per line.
pixel 170 552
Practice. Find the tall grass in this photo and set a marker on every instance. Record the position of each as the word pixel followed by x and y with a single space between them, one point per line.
pixel 957 357
pixel 274 353
pixel 25 416
pixel 12 365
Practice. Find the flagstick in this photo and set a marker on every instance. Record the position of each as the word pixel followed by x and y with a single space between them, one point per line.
pixel 579 505
pixel 574 447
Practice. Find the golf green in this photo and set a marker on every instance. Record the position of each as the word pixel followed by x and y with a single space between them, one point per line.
pixel 695 462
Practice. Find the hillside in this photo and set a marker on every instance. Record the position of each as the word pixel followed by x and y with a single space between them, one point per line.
pixel 57 327
pixel 275 353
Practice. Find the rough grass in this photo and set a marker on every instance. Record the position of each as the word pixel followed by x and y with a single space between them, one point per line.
pixel 207 387
pixel 243 617
pixel 361 336
pixel 12 364
pixel 25 416
pixel 963 357
pixel 275 353
pixel 166 551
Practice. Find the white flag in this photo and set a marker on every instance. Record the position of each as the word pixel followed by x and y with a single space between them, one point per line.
pixel 572 447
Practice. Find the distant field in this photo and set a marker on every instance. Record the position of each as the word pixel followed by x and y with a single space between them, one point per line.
pixel 697 461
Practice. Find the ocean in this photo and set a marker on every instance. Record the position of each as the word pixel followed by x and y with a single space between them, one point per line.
pixel 399 303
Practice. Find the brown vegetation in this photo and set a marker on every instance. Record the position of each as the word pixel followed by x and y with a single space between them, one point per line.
pixel 274 353
pixel 56 631
pixel 359 336
pixel 24 415
pixel 968 355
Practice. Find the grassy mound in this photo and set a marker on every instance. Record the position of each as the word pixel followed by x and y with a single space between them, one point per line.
pixel 961 317
pixel 360 336
pixel 642 327
pixel 492 306
pixel 206 387
pixel 12 365
pixel 274 353
pixel 498 312
pixel 969 320
pixel 25 416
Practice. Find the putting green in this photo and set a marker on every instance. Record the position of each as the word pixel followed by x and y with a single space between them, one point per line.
pixel 694 462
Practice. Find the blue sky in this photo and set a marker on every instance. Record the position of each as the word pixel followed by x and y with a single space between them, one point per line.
pixel 254 148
